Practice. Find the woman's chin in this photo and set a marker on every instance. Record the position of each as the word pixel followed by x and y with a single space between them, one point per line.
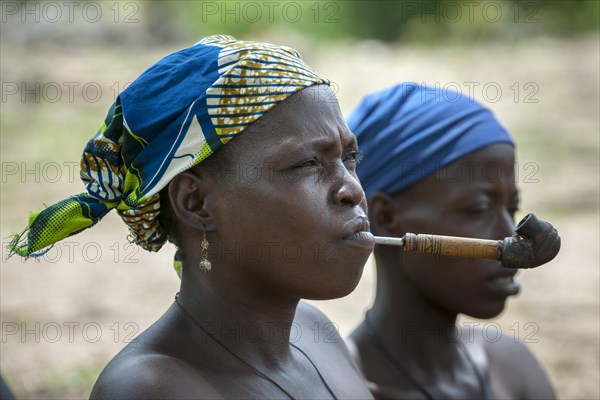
pixel 340 286
pixel 489 312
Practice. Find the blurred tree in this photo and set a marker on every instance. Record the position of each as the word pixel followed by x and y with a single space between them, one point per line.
pixel 425 21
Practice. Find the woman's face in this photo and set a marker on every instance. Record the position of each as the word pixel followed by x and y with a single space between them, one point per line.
pixel 473 197
pixel 293 216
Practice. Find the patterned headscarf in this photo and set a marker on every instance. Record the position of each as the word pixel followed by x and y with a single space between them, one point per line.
pixel 410 131
pixel 171 118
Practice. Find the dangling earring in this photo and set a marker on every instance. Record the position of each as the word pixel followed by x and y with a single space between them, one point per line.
pixel 204 265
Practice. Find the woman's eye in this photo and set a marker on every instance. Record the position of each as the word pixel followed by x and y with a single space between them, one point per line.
pixel 478 210
pixel 353 156
pixel 307 164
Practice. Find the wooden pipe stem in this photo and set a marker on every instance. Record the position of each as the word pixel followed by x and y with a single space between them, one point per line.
pixel 446 245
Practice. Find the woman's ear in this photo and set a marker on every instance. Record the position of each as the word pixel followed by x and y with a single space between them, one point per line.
pixel 187 194
pixel 383 215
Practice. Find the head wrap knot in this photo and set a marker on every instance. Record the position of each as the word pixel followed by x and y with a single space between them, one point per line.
pixel 172 117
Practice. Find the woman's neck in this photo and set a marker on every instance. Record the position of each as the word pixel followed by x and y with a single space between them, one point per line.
pixel 254 328
pixel 409 325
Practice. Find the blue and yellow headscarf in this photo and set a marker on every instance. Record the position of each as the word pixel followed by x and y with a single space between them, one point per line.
pixel 176 114
pixel 409 131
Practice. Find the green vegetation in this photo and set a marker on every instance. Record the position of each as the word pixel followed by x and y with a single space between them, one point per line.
pixel 421 21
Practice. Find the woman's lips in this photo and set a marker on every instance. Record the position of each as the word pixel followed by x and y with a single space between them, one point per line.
pixel 358 233
pixel 355 225
pixel 504 285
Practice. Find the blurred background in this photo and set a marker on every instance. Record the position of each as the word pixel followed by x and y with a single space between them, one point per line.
pixel 535 63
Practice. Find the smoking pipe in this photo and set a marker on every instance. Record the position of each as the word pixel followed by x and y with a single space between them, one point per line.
pixel 535 243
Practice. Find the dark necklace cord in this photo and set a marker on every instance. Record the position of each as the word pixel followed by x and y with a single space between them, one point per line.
pixel 257 371
pixel 378 343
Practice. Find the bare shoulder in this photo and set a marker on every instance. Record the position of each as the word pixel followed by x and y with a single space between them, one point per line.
pixel 314 323
pixel 145 375
pixel 320 340
pixel 513 363
pixel 306 311
pixel 354 353
pixel 316 332
pixel 505 352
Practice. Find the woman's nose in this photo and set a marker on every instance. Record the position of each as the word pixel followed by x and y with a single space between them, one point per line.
pixel 347 188
pixel 505 225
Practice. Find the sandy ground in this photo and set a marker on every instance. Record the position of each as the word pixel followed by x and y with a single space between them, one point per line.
pixel 64 317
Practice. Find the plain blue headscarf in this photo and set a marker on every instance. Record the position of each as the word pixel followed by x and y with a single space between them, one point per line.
pixel 409 131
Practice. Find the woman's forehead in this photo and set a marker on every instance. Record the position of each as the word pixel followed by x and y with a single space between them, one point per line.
pixel 498 153
pixel 305 120
pixel 308 104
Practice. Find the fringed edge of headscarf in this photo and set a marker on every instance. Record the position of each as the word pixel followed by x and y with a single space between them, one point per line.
pixel 19 244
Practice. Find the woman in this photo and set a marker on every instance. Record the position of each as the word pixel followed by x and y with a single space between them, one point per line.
pixel 235 152
pixel 438 162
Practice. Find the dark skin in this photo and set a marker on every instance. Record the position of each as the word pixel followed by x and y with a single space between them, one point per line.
pixel 419 298
pixel 302 207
